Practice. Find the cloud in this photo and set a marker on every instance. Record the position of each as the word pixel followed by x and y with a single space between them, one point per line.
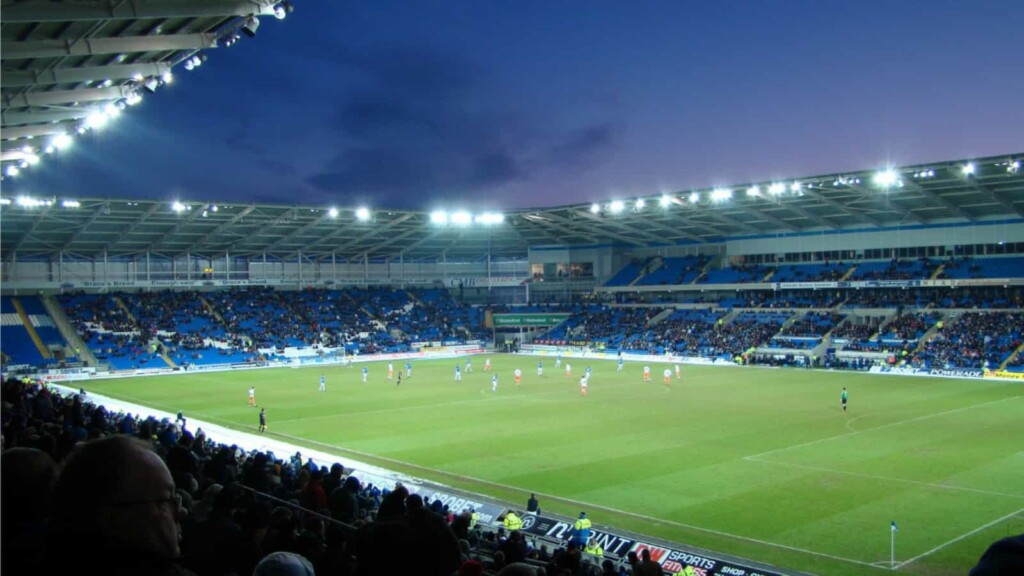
pixel 581 148
pixel 419 132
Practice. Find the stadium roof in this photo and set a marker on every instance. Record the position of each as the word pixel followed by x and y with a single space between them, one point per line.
pixel 68 66
pixel 961 191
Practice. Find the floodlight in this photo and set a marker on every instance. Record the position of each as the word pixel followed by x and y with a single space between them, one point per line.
pixel 776 188
pixel 439 217
pixel 12 170
pixel 71 204
pixel 167 77
pixel 62 141
pixel 886 179
pixel 251 25
pixel 178 206
pixel 794 187
pixel 461 218
pixel 721 194
pixel 754 191
pixel 32 159
pixel 665 201
pixel 640 203
pixel 152 84
pixel 96 120
pixel 489 218
pixel 282 10
pixel 694 197
pixel 363 214
pixel 595 208
pixel 332 212
pixel 616 206
pixel 968 169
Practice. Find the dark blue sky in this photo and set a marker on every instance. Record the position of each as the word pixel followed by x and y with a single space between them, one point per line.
pixel 521 104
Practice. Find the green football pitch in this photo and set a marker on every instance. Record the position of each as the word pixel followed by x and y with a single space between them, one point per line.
pixel 756 462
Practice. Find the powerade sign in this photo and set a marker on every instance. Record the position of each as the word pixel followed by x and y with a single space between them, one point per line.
pixel 526 320
pixel 672 561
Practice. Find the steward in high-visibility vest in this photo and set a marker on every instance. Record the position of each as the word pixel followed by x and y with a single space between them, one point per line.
pixel 581 530
pixel 512 522
pixel 474 517
pixel 593 548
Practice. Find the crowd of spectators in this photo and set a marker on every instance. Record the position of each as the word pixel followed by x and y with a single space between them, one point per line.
pixel 88 487
pixel 909 327
pixel 974 340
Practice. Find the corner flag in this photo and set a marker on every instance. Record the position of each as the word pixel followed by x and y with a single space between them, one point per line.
pixel 895 528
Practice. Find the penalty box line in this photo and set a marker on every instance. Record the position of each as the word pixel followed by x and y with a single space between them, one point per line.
pixel 957 539
pixel 882 427
pixel 886 478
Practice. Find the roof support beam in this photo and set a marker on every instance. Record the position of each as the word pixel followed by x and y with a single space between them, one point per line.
pixel 84 228
pixel 39 11
pixel 15 132
pixel 132 228
pixel 995 197
pixel 846 210
pixel 21 118
pixel 25 78
pixel 65 97
pixel 93 46
pixel 369 234
pixel 887 203
pixel 945 203
pixel 35 224
pixel 771 218
pixel 201 243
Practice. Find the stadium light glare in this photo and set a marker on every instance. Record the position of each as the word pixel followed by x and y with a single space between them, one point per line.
pixel 776 188
pixel 968 169
pixel 178 207
pixel 490 218
pixel 439 217
pixel 363 214
pixel 721 194
pixel 5 201
pixel 595 208
pixel 461 218
pixel 1013 167
pixel 12 170
pixel 96 120
pixel 640 204
pixel 754 191
pixel 30 202
pixel 886 178
pixel 665 201
pixel 694 197
pixel 616 206
pixel 32 159
pixel 332 212
pixel 795 187
pixel 168 78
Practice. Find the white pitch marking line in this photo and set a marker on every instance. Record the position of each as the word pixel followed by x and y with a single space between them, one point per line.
pixel 957 539
pixel 644 517
pixel 887 478
pixel 882 427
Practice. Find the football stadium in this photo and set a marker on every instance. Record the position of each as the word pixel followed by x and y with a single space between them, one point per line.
pixel 812 375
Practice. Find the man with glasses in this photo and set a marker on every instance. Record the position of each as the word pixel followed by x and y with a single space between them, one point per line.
pixel 114 505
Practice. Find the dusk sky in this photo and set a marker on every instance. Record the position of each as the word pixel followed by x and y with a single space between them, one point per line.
pixel 504 105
